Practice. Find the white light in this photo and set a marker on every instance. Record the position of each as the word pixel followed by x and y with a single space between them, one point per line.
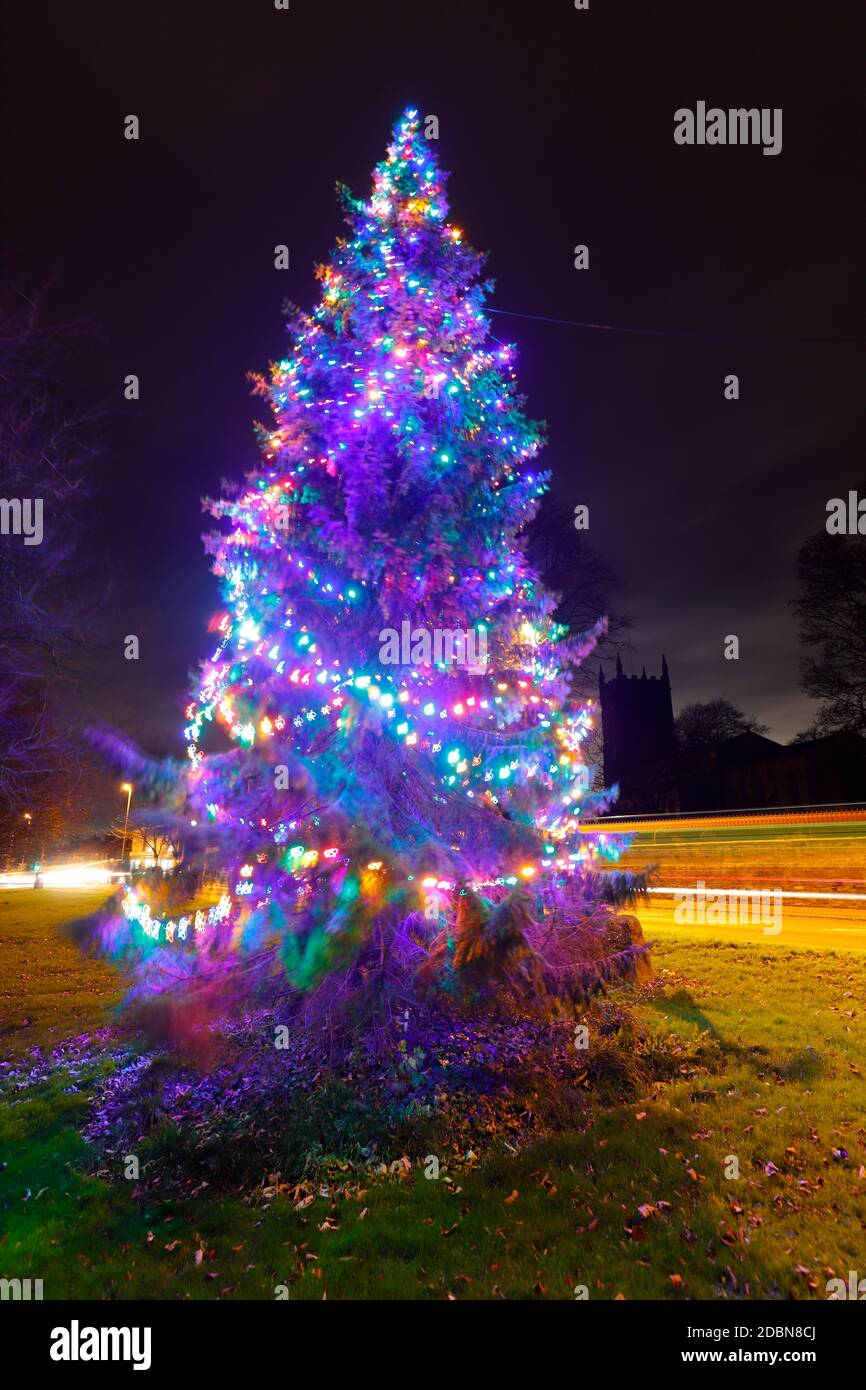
pixel 75 876
pixel 752 892
pixel 63 876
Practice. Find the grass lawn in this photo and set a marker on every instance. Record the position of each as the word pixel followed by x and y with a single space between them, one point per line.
pixel 48 989
pixel 638 1207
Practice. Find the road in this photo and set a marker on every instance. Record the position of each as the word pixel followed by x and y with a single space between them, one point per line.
pixel 814 859
pixel 821 926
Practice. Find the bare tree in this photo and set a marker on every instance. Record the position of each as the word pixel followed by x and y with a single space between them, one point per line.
pixel 46 448
pixel 700 725
pixel 570 567
pixel 147 839
pixel 831 610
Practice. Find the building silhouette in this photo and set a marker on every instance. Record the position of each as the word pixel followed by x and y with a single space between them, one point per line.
pixel 746 771
pixel 640 747
pixel 750 770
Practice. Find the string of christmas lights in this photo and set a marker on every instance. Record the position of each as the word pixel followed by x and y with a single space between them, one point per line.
pixel 397 475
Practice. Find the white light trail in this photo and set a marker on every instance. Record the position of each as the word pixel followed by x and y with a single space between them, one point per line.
pixel 751 892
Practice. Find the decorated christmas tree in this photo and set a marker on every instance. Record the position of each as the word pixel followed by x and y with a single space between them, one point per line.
pixel 383 745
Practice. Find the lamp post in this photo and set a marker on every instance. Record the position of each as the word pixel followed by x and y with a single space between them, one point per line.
pixel 126 787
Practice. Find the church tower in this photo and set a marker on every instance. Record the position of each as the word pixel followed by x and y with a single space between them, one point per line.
pixel 637 719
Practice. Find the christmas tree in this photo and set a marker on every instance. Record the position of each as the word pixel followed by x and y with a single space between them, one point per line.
pixel 400 812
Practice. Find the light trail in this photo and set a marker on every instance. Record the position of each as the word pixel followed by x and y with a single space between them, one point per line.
pixel 64 876
pixel 694 888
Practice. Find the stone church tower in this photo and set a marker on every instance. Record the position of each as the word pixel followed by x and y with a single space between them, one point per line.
pixel 639 742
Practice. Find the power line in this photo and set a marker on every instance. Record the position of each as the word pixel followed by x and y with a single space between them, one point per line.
pixel 675 333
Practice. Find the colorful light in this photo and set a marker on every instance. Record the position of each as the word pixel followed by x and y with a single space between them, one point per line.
pixel 397 477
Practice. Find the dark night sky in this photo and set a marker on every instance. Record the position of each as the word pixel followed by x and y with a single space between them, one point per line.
pixel 558 127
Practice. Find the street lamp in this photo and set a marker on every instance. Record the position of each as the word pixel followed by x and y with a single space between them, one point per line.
pixel 126 787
